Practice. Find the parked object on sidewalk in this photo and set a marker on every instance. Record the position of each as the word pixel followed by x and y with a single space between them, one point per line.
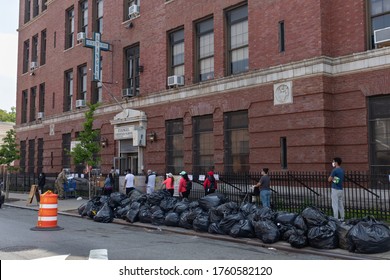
pixel 104 215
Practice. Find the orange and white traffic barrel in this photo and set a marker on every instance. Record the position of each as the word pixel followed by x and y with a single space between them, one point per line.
pixel 47 214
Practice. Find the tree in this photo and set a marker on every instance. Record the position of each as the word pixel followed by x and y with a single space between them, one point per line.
pixel 8 154
pixel 87 150
pixel 8 116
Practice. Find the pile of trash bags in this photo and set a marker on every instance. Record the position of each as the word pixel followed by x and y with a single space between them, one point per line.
pixel 215 214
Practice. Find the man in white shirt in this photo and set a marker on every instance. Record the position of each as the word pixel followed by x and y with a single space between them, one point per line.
pixel 129 181
pixel 150 182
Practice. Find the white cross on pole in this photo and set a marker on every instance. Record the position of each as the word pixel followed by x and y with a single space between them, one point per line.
pixel 97 45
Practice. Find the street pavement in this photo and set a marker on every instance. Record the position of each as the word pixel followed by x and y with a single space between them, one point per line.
pixel 70 207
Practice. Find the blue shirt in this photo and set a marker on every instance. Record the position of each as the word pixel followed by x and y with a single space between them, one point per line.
pixel 337 172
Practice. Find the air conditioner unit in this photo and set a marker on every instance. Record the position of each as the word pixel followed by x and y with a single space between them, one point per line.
pixel 133 11
pixel 175 81
pixel 80 103
pixel 40 115
pixel 382 35
pixel 127 92
pixel 33 65
pixel 80 36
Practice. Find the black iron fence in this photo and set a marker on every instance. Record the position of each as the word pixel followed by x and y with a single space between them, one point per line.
pixel 365 194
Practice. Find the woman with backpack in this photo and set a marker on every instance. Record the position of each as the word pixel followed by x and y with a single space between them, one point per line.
pixel 185 185
pixel 209 184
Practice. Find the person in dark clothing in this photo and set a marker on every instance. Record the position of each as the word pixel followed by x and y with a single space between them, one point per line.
pixel 265 190
pixel 209 184
pixel 41 181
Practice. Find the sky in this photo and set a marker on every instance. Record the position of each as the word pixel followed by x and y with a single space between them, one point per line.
pixel 8 53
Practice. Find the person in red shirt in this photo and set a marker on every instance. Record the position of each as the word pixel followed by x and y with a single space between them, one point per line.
pixel 169 184
pixel 184 185
pixel 209 184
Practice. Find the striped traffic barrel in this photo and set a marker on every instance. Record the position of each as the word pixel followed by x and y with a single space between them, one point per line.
pixel 47 214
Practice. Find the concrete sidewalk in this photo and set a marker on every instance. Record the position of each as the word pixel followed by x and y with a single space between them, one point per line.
pixel 70 207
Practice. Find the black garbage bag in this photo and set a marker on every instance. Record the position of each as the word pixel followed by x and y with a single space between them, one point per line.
pixel 104 215
pixel 115 199
pixel 158 218
pixel 168 203
pixel 369 237
pixel 242 229
pixel 145 215
pixel 121 212
pixel 215 216
pixel 183 222
pixel 285 218
pixel 193 213
pixel 215 229
pixel 342 231
pixel 266 230
pixel 227 208
pixel 201 223
pixel 134 194
pixel 248 209
pixel 263 213
pixel 211 200
pixel 298 239
pixel 155 198
pixel 285 231
pixel 125 202
pixel 314 217
pixel 92 207
pixel 323 237
pixel 81 208
pixel 193 204
pixel 229 221
pixel 299 223
pixel 132 215
pixel 172 219
pixel 181 206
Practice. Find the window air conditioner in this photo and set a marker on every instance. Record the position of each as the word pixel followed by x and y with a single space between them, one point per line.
pixel 175 81
pixel 80 103
pixel 80 36
pixel 33 65
pixel 127 92
pixel 382 35
pixel 40 115
pixel 133 11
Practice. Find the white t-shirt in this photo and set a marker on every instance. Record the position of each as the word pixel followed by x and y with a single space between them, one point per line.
pixel 129 179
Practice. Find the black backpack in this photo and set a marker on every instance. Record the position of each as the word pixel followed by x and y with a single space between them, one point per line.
pixel 212 182
pixel 189 185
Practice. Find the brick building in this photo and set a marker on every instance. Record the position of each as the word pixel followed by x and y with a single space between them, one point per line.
pixel 237 85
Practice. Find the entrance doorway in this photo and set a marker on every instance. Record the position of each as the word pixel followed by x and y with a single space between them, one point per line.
pixel 126 161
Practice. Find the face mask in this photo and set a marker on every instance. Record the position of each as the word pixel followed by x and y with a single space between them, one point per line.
pixel 333 164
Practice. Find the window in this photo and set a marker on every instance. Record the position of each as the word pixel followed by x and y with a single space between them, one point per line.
pixel 283 152
pixel 44 7
pixel 132 69
pixel 33 112
pixel 175 146
pixel 205 50
pixel 31 156
pixel 380 17
pixel 69 39
pixel 66 139
pixel 24 106
pixel 379 129
pixel 99 16
pixel 237 25
pixel 27 11
pixel 40 156
pixel 26 56
pixel 68 97
pixel 34 51
pixel 126 5
pixel 82 82
pixel 35 8
pixel 281 37
pixel 83 17
pixel 203 144
pixel 41 101
pixel 236 141
pixel 22 161
pixel 43 47
pixel 176 65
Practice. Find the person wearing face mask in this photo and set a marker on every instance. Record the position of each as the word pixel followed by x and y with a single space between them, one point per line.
pixel 337 178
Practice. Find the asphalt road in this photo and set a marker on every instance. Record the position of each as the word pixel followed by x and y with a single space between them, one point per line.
pixel 80 237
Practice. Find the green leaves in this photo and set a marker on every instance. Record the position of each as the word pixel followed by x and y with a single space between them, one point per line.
pixel 9 150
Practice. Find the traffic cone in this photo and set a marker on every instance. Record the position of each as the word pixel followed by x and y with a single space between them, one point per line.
pixel 47 214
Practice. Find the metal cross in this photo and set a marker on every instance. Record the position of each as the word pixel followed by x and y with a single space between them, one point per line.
pixel 97 45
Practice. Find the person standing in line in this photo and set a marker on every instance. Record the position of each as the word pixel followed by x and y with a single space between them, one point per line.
pixel 129 182
pixel 169 183
pixel 150 181
pixel 209 184
pixel 108 185
pixel 41 181
pixel 59 184
pixel 185 185
pixel 265 190
pixel 337 178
